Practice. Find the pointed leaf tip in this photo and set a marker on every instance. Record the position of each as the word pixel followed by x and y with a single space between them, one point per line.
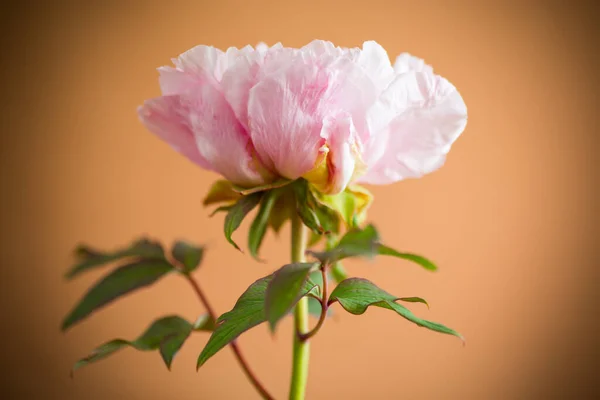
pixel 89 258
pixel 167 334
pixel 355 295
pixel 237 213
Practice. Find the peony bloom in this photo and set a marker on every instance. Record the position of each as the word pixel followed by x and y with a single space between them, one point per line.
pixel 331 115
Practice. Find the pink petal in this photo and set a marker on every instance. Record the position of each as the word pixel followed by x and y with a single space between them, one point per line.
pixel 222 140
pixel 286 109
pixel 241 75
pixel 165 117
pixel 375 61
pixel 344 152
pixel 424 114
pixel 283 120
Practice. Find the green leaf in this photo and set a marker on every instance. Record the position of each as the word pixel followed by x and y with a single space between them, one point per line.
pixel 355 295
pixel 247 312
pixel 262 188
pixel 288 285
pixel 258 228
pixel 422 261
pixel 414 300
pixel 365 243
pixel 120 282
pixel 90 258
pixel 166 334
pixel 221 192
pixel 354 243
pixel 237 213
pixel 188 255
pixel 221 209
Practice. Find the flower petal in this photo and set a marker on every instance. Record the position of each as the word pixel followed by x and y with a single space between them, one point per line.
pixel 221 139
pixel 407 62
pixel 241 75
pixel 344 161
pixel 283 119
pixel 424 114
pixel 375 61
pixel 165 117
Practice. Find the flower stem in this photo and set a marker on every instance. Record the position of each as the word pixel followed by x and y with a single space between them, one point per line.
pixel 301 351
pixel 236 350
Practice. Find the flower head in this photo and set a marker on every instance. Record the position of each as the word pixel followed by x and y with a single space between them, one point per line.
pixel 328 114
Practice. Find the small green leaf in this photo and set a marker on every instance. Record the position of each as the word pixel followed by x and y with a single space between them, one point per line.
pixel 355 295
pixel 285 289
pixel 354 243
pixel 422 261
pixel 262 188
pixel 258 228
pixel 188 255
pixel 91 258
pixel 247 312
pixel 121 281
pixel 365 243
pixel 283 210
pixel 221 192
pixel 237 213
pixel 166 334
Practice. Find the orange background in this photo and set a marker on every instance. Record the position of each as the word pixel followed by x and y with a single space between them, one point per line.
pixel 509 219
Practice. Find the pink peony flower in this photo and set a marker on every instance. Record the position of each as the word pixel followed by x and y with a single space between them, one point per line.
pixel 328 114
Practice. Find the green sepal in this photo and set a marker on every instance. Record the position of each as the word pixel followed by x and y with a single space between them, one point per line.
pixel 221 191
pixel 259 226
pixel 237 213
pixel 91 258
pixel 355 295
pixel 188 255
pixel 269 186
pixel 283 210
pixel 118 283
pixel 351 205
pixel 166 334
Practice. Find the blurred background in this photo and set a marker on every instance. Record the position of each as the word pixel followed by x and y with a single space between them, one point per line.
pixel 511 219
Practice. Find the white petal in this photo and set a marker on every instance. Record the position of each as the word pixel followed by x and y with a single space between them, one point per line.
pixel 429 116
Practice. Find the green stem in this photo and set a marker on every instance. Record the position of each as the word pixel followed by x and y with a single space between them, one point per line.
pixel 301 348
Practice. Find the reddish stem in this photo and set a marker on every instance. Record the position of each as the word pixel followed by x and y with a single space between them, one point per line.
pixel 305 336
pixel 236 350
